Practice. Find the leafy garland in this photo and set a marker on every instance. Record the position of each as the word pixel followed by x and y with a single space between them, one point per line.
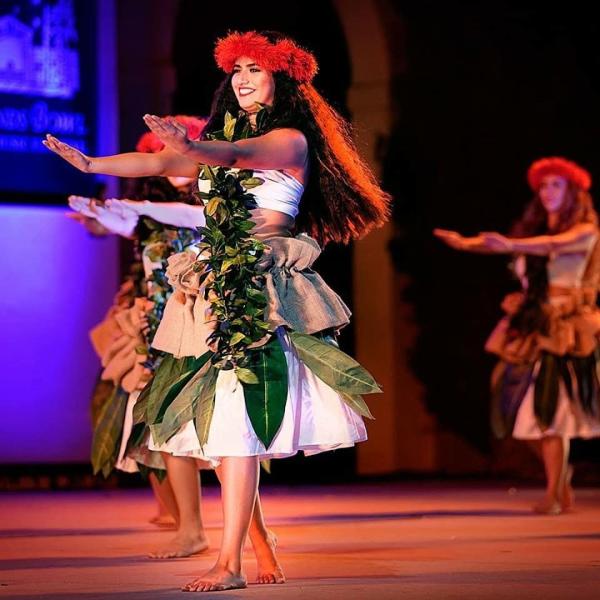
pixel 228 254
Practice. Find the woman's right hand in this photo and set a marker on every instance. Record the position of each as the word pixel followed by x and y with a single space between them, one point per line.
pixel 459 242
pixel 84 206
pixel 112 215
pixel 127 207
pixel 73 156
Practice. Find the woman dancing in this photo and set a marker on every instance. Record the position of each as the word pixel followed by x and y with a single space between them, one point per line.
pixel 263 377
pixel 545 387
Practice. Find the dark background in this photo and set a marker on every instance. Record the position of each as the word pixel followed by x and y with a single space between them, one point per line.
pixel 479 91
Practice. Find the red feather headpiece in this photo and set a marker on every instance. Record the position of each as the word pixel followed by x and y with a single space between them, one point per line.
pixel 556 165
pixel 148 142
pixel 284 55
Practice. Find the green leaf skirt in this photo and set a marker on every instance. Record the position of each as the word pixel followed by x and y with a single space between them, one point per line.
pixel 555 395
pixel 304 394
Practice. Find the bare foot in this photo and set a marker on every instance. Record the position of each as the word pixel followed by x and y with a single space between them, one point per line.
pixel 218 579
pixel 268 568
pixel 568 495
pixel 548 506
pixel 165 521
pixel 181 546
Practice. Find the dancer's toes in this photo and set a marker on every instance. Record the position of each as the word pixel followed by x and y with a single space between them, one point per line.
pixel 271 577
pixel 269 569
pixel 182 546
pixel 217 579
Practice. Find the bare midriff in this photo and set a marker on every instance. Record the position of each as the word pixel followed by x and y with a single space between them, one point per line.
pixel 271 223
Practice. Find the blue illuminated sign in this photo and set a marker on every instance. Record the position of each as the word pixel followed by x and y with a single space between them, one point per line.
pixel 40 58
pixel 43 44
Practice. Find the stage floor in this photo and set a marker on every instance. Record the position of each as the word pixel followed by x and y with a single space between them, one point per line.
pixel 375 541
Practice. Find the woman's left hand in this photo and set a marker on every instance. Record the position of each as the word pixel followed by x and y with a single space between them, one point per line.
pixel 457 241
pixel 171 133
pixel 495 242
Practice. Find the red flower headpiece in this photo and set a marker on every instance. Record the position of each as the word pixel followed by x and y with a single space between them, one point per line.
pixel 284 55
pixel 148 142
pixel 556 165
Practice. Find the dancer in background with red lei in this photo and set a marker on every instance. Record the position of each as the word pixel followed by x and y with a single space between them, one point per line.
pixel 545 388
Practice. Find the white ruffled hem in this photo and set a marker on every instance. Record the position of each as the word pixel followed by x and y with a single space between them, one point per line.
pixel 316 420
pixel 143 455
pixel 569 421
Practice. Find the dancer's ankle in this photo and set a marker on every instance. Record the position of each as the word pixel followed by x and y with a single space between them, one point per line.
pixel 233 564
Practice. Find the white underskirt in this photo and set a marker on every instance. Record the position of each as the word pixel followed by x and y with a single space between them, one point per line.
pixel 316 419
pixel 569 421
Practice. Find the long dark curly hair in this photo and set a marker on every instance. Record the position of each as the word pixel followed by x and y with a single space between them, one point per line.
pixel 577 208
pixel 342 200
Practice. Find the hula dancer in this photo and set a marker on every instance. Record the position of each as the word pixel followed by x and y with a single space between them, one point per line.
pixel 254 372
pixel 545 386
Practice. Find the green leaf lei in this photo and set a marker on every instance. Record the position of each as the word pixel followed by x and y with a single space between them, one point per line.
pixel 229 255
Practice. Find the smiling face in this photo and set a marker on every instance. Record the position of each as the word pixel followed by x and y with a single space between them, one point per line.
pixel 552 192
pixel 252 84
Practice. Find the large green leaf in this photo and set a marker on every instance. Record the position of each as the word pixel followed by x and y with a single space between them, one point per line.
pixel 108 431
pixel 141 405
pixel 137 437
pixel 170 378
pixel 509 384
pixel 584 368
pixel 205 405
pixel 266 400
pixel 229 128
pixel 546 390
pixel 183 407
pixel 103 390
pixel 357 404
pixel 338 370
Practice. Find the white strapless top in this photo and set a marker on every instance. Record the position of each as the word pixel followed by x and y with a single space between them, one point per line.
pixel 567 268
pixel 279 191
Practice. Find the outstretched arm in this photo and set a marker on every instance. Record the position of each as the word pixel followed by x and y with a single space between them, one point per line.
pixel 576 239
pixel 279 149
pixel 167 162
pixel 177 214
pixel 459 242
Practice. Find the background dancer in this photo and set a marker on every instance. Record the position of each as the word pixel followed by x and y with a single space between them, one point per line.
pixel 545 387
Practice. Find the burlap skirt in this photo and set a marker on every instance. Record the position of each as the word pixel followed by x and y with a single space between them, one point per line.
pixel 320 386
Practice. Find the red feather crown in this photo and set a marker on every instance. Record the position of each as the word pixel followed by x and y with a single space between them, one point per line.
pixel 148 142
pixel 284 55
pixel 556 165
